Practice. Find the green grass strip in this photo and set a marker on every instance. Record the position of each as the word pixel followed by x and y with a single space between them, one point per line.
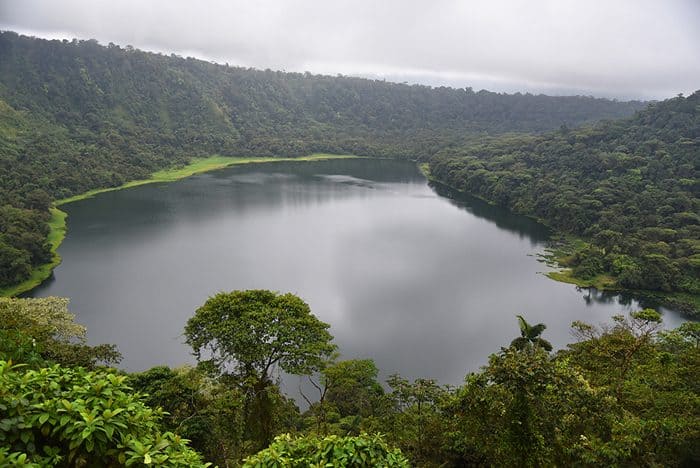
pixel 197 166
pixel 57 225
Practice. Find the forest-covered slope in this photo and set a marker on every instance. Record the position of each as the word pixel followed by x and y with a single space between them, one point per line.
pixel 77 116
pixel 629 186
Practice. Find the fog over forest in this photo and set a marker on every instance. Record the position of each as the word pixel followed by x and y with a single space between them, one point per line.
pixel 627 49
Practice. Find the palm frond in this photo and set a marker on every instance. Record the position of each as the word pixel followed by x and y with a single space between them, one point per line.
pixel 524 326
pixel 536 330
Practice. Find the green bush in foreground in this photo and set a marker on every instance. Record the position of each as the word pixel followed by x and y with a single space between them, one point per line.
pixel 74 417
pixel 361 451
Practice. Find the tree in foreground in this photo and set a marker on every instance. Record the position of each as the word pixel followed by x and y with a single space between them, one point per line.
pixel 58 416
pixel 246 335
pixel 653 375
pixel 348 391
pixel 625 395
pixel 359 451
pixel 205 411
pixel 527 409
pixel 38 331
pixel 417 423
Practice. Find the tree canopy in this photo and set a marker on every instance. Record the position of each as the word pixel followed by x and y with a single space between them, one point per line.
pixel 248 333
pixel 358 451
pixel 245 335
pixel 623 394
pixel 38 331
pixel 530 336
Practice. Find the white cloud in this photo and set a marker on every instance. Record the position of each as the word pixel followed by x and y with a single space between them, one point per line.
pixel 625 48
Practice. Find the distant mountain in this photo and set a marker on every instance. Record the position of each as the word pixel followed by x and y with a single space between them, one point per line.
pixel 77 115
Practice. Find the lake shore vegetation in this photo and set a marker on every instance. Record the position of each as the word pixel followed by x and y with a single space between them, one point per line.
pixel 624 193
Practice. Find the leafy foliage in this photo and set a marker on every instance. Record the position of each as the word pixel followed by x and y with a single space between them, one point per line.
pixel 618 397
pixel 359 451
pixel 653 376
pixel 526 409
pixel 625 394
pixel 416 419
pixel 348 392
pixel 352 386
pixel 208 413
pixel 58 416
pixel 249 332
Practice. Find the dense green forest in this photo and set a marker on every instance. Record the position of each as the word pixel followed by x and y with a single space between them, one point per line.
pixel 75 115
pixel 623 395
pixel 629 187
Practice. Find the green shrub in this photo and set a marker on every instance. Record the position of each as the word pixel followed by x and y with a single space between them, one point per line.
pixel 74 417
pixel 361 451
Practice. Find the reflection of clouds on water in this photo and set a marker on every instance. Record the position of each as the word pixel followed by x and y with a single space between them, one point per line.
pixel 259 178
pixel 346 179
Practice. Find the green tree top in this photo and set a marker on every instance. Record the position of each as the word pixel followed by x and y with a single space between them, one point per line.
pixel 361 451
pixel 247 333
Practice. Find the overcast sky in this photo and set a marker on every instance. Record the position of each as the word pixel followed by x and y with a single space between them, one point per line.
pixel 612 48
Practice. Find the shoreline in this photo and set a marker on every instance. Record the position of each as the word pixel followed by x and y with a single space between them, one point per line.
pixel 58 221
pixel 686 304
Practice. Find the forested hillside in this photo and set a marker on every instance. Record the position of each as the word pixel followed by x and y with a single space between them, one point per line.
pixel 631 187
pixel 77 116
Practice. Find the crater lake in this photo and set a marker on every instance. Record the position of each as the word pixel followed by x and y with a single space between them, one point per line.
pixel 425 282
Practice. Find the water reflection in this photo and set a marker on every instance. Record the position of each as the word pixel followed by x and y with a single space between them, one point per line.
pixel 525 227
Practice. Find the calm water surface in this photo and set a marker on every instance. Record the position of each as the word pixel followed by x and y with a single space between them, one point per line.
pixel 424 285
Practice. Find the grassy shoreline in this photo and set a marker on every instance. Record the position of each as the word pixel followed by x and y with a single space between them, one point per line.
pixel 57 223
pixel 57 232
pixel 197 166
pixel 556 255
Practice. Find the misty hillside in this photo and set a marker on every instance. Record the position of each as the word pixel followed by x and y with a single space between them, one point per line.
pixel 93 90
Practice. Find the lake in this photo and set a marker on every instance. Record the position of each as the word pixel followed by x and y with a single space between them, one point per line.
pixel 426 285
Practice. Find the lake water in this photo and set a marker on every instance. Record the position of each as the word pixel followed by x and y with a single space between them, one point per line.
pixel 425 285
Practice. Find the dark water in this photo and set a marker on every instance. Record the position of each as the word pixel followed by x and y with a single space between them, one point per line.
pixel 426 286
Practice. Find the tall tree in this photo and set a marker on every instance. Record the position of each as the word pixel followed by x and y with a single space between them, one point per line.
pixel 245 335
